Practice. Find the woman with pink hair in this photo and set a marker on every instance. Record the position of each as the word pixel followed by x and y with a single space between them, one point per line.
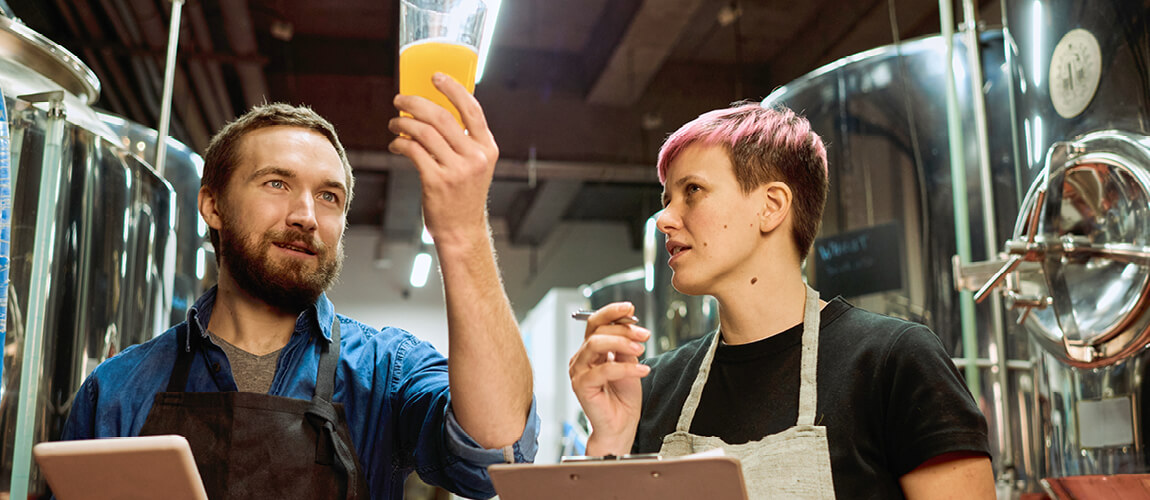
pixel 817 399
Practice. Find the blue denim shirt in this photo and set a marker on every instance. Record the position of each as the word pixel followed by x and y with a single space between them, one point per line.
pixel 393 387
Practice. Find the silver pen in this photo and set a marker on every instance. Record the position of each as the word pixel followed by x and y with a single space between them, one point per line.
pixel 626 320
pixel 585 315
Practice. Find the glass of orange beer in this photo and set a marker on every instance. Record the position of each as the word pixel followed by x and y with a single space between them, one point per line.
pixel 439 36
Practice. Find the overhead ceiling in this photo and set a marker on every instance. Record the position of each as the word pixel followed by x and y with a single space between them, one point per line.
pixel 579 93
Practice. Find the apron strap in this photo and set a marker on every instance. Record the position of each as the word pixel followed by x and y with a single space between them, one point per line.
pixel 808 390
pixel 323 416
pixel 325 377
pixel 178 380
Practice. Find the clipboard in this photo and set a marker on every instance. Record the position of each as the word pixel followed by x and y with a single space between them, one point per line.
pixel 126 468
pixel 709 477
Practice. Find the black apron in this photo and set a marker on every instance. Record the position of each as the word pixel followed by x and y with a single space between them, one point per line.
pixel 249 445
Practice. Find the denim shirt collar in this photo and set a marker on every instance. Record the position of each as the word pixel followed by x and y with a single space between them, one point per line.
pixel 320 315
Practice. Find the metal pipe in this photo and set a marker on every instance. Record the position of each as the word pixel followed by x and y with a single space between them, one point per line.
pixel 40 285
pixel 958 195
pixel 989 226
pixel 169 81
pixel 151 24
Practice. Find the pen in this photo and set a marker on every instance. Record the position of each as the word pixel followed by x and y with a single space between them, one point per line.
pixel 627 320
pixel 584 315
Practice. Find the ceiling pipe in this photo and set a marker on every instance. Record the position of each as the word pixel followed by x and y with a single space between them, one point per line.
pixel 151 22
pixel 616 173
pixel 241 34
pixel 169 82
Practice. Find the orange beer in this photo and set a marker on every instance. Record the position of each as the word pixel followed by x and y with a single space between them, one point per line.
pixel 418 61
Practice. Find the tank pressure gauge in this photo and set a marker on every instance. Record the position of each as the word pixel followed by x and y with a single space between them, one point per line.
pixel 1075 69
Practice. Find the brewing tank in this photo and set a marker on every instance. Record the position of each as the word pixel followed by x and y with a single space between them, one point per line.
pixel 1080 250
pixel 95 247
pixel 891 229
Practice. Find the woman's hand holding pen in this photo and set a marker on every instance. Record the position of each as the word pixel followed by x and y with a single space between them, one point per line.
pixel 605 374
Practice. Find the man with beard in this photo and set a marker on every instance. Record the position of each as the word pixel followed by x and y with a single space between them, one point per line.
pixel 278 395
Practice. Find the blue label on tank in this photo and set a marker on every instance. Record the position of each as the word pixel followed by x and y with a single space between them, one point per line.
pixel 5 220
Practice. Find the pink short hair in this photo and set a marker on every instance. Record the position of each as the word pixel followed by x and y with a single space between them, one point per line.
pixel 764 145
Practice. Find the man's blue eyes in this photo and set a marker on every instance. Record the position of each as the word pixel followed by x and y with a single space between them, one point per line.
pixel 326 196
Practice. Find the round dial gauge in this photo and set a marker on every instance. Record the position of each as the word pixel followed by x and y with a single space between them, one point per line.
pixel 1075 69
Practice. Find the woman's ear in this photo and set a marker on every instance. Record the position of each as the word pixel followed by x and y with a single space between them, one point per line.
pixel 207 202
pixel 776 198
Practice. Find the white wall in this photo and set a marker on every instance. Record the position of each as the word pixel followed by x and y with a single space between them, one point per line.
pixel 552 337
pixel 575 254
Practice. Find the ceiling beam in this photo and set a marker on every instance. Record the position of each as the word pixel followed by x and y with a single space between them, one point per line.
pixel 623 173
pixel 242 37
pixel 820 35
pixel 217 103
pixel 540 210
pixel 640 54
pixel 313 54
pixel 605 36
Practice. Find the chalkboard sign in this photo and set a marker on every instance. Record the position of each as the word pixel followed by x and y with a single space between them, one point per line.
pixel 859 262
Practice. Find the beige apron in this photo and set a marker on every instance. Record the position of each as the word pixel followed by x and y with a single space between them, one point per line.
pixel 794 463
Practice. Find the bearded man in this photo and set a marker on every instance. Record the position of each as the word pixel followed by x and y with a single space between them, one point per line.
pixel 279 396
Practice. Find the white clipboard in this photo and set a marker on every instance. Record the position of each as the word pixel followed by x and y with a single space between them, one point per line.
pixel 126 468
pixel 708 477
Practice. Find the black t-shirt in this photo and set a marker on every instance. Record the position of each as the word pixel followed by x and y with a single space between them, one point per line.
pixel 888 394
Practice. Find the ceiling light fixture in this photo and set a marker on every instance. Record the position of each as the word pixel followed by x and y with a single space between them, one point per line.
pixel 420 269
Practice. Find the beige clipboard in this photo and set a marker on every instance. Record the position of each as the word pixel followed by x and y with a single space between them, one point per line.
pixel 126 468
pixel 712 478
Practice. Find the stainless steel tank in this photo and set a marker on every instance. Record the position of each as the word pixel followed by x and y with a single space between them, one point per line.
pixel 675 318
pixel 194 265
pixel 1080 252
pixel 93 246
pixel 891 228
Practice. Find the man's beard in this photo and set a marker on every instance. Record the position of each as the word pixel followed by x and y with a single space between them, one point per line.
pixel 286 285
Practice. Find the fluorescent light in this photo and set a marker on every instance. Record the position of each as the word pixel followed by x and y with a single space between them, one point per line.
pixel 488 32
pixel 426 237
pixel 201 264
pixel 420 269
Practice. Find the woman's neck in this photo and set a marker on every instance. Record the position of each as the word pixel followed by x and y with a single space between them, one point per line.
pixel 763 307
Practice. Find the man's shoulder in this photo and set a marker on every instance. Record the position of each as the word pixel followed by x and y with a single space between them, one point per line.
pixel 357 331
pixel 160 351
pixel 358 339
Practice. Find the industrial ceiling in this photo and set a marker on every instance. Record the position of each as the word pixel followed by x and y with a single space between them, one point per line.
pixel 579 93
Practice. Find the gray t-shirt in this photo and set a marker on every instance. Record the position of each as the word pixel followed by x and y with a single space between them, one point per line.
pixel 252 373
